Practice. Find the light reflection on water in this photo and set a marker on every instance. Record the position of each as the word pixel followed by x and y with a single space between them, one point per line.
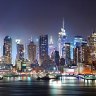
pixel 26 86
pixel 68 81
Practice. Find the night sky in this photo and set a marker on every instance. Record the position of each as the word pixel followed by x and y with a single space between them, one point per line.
pixel 25 18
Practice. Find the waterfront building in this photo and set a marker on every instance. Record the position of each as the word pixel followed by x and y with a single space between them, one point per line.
pixel 7 50
pixel 18 65
pixel 5 68
pixel 43 48
pixel 23 65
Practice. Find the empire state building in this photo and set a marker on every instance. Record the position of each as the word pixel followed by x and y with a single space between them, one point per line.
pixel 61 41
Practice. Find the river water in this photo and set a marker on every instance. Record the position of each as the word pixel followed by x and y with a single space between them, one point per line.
pixel 68 86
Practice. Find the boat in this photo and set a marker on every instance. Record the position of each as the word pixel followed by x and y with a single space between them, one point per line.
pixel 47 77
pixel 90 77
pixel 43 78
pixel 87 77
pixel 1 77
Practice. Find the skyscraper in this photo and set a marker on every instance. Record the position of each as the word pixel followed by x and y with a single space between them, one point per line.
pixel 43 48
pixel 56 57
pixel 80 50
pixel 85 53
pixel 7 50
pixel 20 50
pixel 61 41
pixel 92 46
pixel 51 46
pixel 68 55
pixel 32 52
pixel 92 39
pixel 78 40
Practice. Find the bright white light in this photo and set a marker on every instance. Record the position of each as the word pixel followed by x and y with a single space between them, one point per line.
pixel 18 41
pixel 55 83
pixel 69 70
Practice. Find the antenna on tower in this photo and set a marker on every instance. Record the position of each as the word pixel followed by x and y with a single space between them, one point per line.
pixel 31 39
pixel 63 23
pixel 51 40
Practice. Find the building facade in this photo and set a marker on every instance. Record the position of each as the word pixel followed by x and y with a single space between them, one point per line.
pixel 61 42
pixel 7 50
pixel 43 48
pixel 56 57
pixel 51 46
pixel 78 41
pixel 92 47
pixel 20 50
pixel 68 55
pixel 32 52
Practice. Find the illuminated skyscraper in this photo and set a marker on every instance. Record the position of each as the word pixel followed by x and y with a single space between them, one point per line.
pixel 78 40
pixel 7 50
pixel 92 46
pixel 32 52
pixel 80 50
pixel 20 50
pixel 61 42
pixel 92 39
pixel 51 46
pixel 43 48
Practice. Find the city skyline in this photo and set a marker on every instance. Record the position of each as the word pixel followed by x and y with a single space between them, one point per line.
pixel 21 49
pixel 47 47
pixel 23 19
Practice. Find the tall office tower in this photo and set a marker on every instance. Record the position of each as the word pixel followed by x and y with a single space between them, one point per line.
pixel 43 48
pixel 61 41
pixel 32 52
pixel 81 53
pixel 68 55
pixel 56 57
pixel 20 50
pixel 92 39
pixel 71 50
pixel 51 47
pixel 7 50
pixel 78 41
pixel 76 55
pixel 92 46
pixel 85 53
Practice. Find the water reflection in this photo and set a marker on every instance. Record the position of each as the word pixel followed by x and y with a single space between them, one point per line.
pixel 67 86
pixel 70 86
pixel 23 78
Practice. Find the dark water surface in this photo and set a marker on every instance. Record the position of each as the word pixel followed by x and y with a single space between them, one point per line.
pixel 66 87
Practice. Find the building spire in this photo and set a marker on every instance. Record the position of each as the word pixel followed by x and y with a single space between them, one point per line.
pixel 31 39
pixel 51 40
pixel 63 33
pixel 63 23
